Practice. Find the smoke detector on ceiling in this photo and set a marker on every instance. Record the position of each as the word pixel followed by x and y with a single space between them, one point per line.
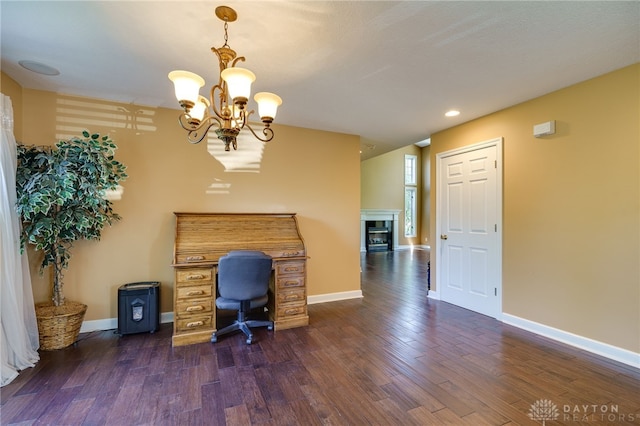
pixel 39 68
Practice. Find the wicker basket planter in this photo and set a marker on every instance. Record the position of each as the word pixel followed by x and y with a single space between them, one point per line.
pixel 61 198
pixel 59 326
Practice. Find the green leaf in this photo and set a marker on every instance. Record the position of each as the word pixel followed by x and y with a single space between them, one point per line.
pixel 60 194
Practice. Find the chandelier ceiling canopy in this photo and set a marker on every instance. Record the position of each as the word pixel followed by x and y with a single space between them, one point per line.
pixel 226 107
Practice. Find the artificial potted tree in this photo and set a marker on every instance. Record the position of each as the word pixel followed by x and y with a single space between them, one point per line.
pixel 61 198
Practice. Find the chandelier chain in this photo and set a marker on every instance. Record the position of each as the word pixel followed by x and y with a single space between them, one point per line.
pixel 226 36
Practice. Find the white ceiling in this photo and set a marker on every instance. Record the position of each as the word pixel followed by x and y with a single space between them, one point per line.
pixel 384 70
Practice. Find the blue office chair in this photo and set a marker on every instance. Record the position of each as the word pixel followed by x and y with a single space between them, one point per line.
pixel 243 284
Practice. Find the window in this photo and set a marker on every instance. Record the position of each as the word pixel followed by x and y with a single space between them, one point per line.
pixel 410 169
pixel 410 182
pixel 409 211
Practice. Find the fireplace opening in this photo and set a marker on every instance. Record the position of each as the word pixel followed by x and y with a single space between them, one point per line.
pixel 379 235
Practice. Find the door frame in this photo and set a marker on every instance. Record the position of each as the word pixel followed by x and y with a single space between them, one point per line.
pixel 437 246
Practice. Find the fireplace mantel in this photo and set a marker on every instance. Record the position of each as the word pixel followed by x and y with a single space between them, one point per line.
pixel 378 214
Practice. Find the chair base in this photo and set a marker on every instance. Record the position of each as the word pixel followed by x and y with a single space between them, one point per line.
pixel 243 326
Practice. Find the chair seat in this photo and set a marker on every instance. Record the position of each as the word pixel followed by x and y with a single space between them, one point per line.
pixel 234 304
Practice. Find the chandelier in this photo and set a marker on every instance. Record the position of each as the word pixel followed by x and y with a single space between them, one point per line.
pixel 226 107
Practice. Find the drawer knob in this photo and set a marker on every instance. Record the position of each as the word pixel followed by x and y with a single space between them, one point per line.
pixel 195 324
pixel 195 293
pixel 291 269
pixel 195 308
pixel 195 277
pixel 291 297
pixel 290 283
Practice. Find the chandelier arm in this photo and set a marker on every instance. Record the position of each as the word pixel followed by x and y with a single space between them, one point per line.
pixel 184 118
pixel 243 119
pixel 194 137
pixel 267 132
pixel 217 109
pixel 222 58
pixel 236 60
pixel 197 132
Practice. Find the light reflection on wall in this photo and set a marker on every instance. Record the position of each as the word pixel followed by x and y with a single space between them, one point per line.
pixel 246 159
pixel 218 187
pixel 77 114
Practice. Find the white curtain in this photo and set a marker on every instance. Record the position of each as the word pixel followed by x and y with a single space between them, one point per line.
pixel 19 331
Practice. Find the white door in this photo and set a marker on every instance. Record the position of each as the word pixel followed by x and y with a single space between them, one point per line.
pixel 469 246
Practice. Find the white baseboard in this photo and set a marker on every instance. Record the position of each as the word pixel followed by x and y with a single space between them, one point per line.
pixel 414 247
pixel 599 348
pixel 334 297
pixel 112 323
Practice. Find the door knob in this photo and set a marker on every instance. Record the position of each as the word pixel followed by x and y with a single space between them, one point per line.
pixel 443 237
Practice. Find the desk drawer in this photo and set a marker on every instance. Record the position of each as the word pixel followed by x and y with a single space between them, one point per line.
pixel 194 276
pixel 286 310
pixel 193 306
pixel 292 267
pixel 194 323
pixel 288 296
pixel 184 291
pixel 292 282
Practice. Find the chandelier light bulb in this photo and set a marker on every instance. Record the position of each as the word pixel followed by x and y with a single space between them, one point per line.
pixel 238 83
pixel 187 87
pixel 198 110
pixel 268 104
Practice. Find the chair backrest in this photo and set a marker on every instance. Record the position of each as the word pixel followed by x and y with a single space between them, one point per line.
pixel 244 274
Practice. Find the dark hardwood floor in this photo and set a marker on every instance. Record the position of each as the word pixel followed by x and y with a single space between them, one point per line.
pixel 394 357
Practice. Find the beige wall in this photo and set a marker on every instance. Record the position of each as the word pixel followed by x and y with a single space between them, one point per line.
pixel 425 191
pixel 11 88
pixel 383 186
pixel 571 238
pixel 312 173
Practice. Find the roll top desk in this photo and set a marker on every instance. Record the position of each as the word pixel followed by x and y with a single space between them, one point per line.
pixel 202 238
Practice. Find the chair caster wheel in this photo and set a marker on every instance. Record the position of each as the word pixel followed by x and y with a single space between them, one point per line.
pixel 270 327
pixel 248 341
pixel 214 338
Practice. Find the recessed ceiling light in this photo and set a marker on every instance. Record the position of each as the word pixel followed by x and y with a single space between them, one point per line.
pixel 452 113
pixel 424 143
pixel 39 67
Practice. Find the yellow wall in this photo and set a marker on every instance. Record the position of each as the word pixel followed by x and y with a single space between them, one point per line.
pixel 312 173
pixel 571 207
pixel 11 88
pixel 383 186
pixel 425 191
